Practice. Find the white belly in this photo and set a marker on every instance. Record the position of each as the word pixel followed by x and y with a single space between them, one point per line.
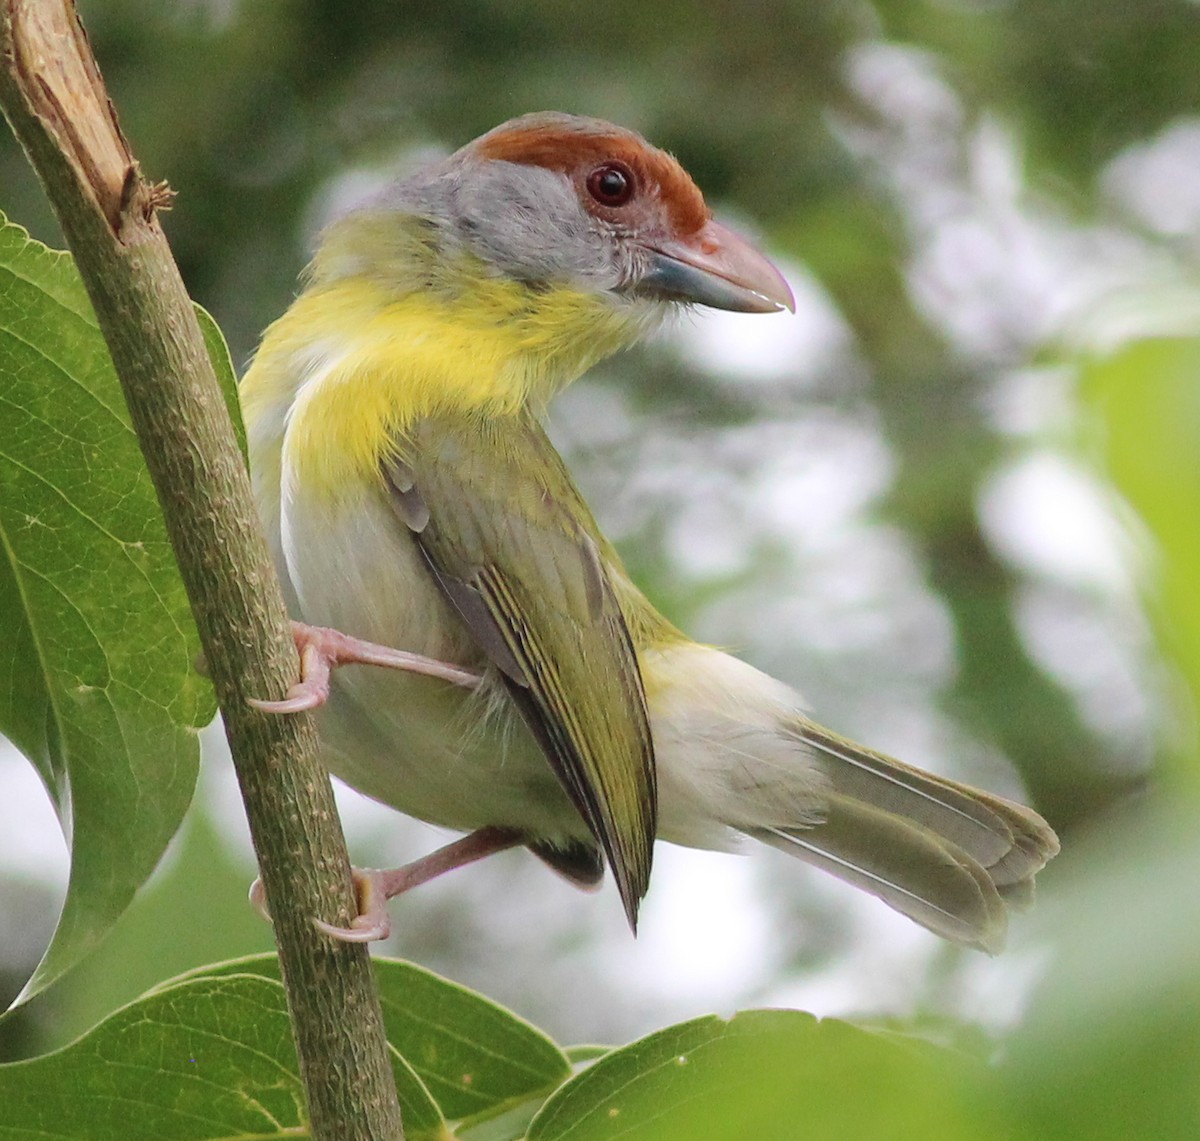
pixel 433 750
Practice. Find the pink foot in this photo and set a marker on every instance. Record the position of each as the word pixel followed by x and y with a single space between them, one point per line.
pixel 321 649
pixel 374 887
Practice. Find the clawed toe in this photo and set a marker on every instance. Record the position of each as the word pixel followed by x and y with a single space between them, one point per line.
pixel 301 698
pixel 258 899
pixel 372 921
pixel 374 887
pixel 322 649
pixel 370 924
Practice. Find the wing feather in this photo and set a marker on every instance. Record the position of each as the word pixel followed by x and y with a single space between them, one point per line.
pixel 514 548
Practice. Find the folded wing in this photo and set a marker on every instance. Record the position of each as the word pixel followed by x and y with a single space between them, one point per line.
pixel 513 547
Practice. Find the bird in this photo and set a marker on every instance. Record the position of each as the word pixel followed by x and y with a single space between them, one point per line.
pixel 475 650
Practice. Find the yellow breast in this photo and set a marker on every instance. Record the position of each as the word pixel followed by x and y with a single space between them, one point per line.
pixel 344 372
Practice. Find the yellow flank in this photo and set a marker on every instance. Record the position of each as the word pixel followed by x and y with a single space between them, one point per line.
pixel 354 365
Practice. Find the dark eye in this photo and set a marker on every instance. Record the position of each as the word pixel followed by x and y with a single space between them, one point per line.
pixel 611 184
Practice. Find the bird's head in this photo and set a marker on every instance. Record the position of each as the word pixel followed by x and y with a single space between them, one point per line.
pixel 554 200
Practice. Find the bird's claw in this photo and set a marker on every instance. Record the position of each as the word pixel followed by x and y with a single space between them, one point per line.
pixel 258 900
pixel 373 887
pixel 372 921
pixel 321 649
pixel 370 893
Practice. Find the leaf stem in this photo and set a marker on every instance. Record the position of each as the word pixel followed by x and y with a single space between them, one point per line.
pixel 52 92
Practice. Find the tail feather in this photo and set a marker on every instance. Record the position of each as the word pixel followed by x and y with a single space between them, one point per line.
pixel 1034 842
pixel 909 868
pixel 950 857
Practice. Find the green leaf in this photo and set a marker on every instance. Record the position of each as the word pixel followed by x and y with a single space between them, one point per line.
pixel 210 1057
pixel 422 1117
pixel 585 1053
pixel 771 1075
pixel 98 686
pixel 1147 399
pixel 159 936
pixel 1110 1049
pixel 475 1058
pixel 218 351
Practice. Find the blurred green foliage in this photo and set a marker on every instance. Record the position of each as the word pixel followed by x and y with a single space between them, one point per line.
pixel 944 170
pixel 1146 401
pixel 250 109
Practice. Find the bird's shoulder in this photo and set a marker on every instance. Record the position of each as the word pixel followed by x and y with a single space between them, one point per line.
pixel 492 492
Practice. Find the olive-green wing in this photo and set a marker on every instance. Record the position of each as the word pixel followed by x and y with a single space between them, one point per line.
pixel 510 542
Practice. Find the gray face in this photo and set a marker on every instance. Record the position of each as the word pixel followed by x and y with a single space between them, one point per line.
pixel 526 222
pixel 650 243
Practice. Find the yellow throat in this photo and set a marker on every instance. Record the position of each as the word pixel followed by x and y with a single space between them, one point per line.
pixel 378 341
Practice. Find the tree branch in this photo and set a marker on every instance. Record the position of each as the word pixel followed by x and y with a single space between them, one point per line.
pixel 54 97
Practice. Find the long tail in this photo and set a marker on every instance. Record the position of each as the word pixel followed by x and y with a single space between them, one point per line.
pixel 948 856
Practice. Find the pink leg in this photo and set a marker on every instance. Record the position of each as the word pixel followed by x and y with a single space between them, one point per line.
pixel 321 649
pixel 374 887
